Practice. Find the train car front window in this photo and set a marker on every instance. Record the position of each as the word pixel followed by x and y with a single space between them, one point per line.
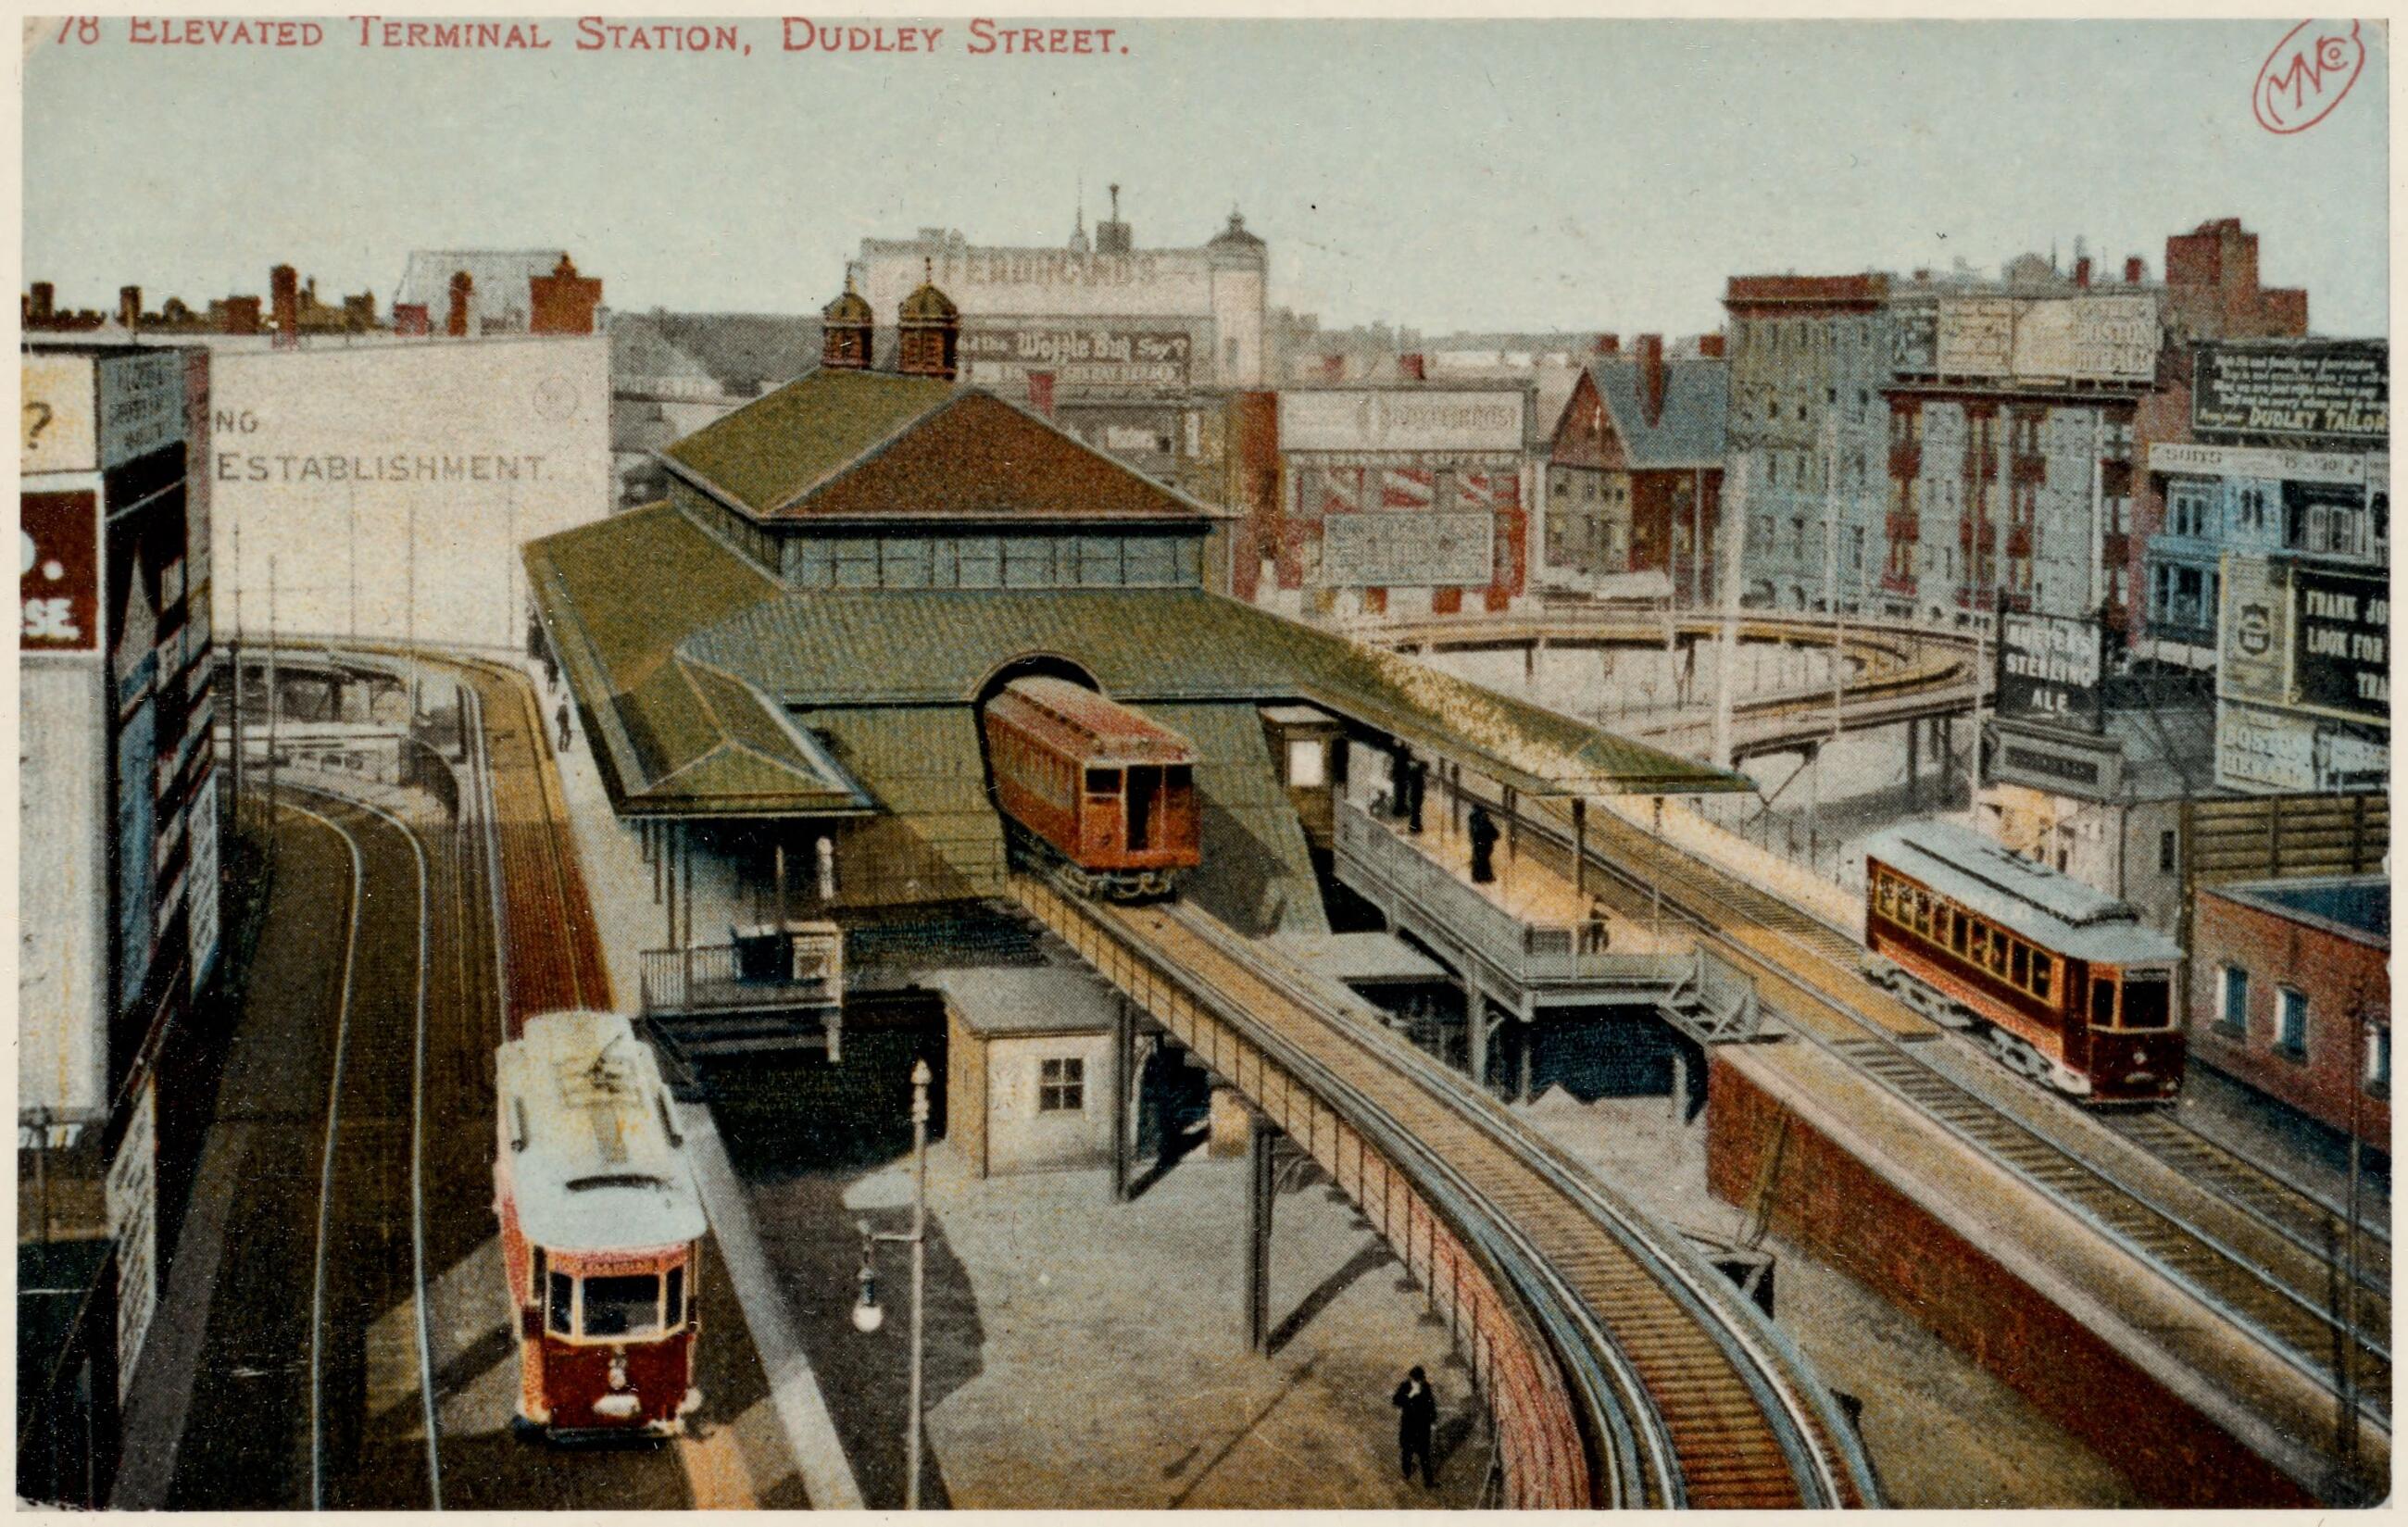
pixel 627 1304
pixel 559 1295
pixel 2148 1001
pixel 1102 781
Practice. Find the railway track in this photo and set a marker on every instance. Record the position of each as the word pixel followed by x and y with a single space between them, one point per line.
pixel 1729 1417
pixel 2286 1311
pixel 371 1178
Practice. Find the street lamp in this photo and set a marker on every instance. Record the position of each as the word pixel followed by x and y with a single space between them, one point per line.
pixel 868 1315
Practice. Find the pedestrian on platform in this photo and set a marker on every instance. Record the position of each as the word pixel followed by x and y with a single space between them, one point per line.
pixel 550 672
pixel 1483 828
pixel 564 735
pixel 1416 1406
pixel 1594 937
pixel 1416 784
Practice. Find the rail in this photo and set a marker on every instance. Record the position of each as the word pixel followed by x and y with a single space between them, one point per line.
pixel 1675 1406
pixel 2220 1278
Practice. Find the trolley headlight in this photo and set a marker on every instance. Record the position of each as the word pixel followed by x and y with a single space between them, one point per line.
pixel 619 1371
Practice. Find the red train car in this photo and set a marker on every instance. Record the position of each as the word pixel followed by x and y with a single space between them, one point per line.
pixel 2061 981
pixel 1102 796
pixel 602 1228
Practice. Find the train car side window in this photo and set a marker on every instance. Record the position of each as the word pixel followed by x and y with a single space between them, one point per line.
pixel 2102 1003
pixel 2019 965
pixel 2043 974
pixel 560 1293
pixel 1959 932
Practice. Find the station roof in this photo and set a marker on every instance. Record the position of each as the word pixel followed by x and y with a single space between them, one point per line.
pixel 694 674
pixel 850 446
pixel 1003 1003
pixel 2055 911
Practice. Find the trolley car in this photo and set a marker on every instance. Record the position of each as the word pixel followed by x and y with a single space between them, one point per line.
pixel 2060 981
pixel 1094 793
pixel 601 1230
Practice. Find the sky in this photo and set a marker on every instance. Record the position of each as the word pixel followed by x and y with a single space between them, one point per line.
pixel 1604 175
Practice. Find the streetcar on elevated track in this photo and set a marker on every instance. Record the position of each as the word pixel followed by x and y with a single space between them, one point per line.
pixel 2060 981
pixel 1093 794
pixel 602 1228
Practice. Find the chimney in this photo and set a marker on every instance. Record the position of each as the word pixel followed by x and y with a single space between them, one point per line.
pixel 1333 368
pixel 243 315
pixel 562 302
pixel 1040 392
pixel 2082 270
pixel 1711 346
pixel 1412 367
pixel 2136 270
pixel 1112 235
pixel 1651 377
pixel 129 307
pixel 45 302
pixel 847 328
pixel 284 297
pixel 411 319
pixel 1608 344
pixel 455 322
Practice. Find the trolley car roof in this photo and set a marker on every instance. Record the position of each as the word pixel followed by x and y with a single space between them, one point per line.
pixel 2053 910
pixel 586 1141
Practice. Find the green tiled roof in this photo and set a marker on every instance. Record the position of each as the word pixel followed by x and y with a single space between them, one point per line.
pixel 782 444
pixel 694 600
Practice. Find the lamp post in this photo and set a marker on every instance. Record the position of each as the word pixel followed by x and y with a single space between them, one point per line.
pixel 867 1314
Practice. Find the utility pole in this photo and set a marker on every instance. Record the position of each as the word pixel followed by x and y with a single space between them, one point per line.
pixel 1831 607
pixel 1734 519
pixel 271 691
pixel 238 672
pixel 2098 507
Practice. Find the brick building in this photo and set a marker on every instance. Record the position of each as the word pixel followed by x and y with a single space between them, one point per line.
pixel 1634 470
pixel 469 294
pixel 2290 996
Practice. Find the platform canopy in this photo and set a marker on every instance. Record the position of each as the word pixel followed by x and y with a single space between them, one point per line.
pixel 693 664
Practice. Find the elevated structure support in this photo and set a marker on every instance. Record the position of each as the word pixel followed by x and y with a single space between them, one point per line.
pixel 1125 1079
pixel 1262 1192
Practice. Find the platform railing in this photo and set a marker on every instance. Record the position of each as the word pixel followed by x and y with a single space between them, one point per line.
pixel 1532 953
pixel 723 978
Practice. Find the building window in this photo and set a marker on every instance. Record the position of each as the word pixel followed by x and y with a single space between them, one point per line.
pixel 1307 764
pixel 2291 1024
pixel 2232 1015
pixel 2166 851
pixel 2377 1073
pixel 1062 1085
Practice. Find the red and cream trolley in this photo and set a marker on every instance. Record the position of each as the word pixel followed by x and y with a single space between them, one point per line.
pixel 602 1227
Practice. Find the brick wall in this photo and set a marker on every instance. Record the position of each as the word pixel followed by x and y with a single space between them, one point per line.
pixel 2334 973
pixel 1827 1201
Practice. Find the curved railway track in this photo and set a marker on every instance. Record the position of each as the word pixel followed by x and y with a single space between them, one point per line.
pixel 2284 1309
pixel 1722 1413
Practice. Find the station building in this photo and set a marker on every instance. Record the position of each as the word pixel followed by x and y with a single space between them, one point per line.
pixel 781 668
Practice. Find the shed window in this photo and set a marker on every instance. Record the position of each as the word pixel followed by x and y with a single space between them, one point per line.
pixel 2233 1016
pixel 1308 763
pixel 1062 1085
pixel 2291 1024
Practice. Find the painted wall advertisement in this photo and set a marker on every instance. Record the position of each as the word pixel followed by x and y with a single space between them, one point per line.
pixel 58 572
pixel 2334 388
pixel 2283 753
pixel 133 1194
pixel 201 926
pixel 1372 422
pixel 2341 627
pixel 1396 550
pixel 62 955
pixel 2107 337
pixel 1077 355
pixel 2049 669
pixel 2255 640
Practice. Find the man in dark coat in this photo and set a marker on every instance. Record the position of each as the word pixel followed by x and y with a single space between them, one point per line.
pixel 1416 1406
pixel 1483 828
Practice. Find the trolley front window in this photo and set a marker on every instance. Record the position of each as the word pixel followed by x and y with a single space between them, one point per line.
pixel 560 1294
pixel 626 1304
pixel 1103 781
pixel 2148 1001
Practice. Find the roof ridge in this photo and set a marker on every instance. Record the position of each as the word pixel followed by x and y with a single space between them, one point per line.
pixel 876 449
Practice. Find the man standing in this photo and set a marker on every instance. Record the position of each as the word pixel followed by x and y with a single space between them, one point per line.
pixel 1416 1406
pixel 565 737
pixel 1483 847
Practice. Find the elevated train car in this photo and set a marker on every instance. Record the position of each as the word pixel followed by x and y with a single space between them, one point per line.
pixel 602 1227
pixel 2061 981
pixel 1097 794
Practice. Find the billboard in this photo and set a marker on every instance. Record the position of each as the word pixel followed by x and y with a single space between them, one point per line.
pixel 1077 354
pixel 201 880
pixel 60 430
pixel 2108 337
pixel 1420 421
pixel 141 404
pixel 132 1195
pixel 2285 753
pixel 1408 551
pixel 2255 640
pixel 63 841
pixel 58 572
pixel 2049 668
pixel 2354 468
pixel 2341 625
pixel 2300 388
pixel 389 485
